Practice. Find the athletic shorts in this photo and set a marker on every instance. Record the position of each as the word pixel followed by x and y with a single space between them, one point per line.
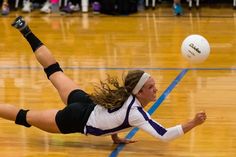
pixel 74 116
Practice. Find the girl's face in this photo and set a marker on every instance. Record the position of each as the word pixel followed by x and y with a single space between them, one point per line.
pixel 148 91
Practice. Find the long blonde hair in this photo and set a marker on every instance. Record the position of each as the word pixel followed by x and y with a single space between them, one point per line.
pixel 111 94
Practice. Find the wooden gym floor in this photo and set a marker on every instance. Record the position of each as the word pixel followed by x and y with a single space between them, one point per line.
pixel 90 46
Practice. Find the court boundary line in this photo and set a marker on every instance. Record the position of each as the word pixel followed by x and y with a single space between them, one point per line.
pixel 152 109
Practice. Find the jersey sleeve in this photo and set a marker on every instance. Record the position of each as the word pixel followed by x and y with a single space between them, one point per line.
pixel 141 119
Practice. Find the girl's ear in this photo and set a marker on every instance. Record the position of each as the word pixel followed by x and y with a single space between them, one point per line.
pixel 139 93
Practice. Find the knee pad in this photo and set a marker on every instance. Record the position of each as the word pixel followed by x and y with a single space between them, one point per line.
pixel 21 118
pixel 52 69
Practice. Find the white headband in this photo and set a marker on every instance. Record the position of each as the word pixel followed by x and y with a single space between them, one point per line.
pixel 140 83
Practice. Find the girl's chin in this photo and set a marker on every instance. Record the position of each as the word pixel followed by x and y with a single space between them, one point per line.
pixel 154 99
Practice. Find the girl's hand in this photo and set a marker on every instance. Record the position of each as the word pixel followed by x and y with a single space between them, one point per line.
pixel 117 140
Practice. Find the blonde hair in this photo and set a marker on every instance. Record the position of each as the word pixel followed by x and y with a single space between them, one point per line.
pixel 111 94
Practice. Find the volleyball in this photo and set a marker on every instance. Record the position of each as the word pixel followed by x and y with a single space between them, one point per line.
pixel 195 48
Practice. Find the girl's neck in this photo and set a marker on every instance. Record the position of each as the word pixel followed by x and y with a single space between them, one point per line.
pixel 142 102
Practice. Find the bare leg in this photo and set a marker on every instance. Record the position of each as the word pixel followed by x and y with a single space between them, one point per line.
pixel 44 120
pixel 8 112
pixel 61 82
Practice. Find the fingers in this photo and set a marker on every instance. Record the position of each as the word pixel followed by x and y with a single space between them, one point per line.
pixel 124 141
pixel 202 115
pixel 131 141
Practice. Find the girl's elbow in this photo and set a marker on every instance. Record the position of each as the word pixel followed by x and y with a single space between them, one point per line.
pixel 165 139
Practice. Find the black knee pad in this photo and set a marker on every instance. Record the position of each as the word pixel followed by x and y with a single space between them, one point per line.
pixel 52 69
pixel 21 118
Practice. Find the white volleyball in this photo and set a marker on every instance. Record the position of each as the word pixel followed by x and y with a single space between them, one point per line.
pixel 195 48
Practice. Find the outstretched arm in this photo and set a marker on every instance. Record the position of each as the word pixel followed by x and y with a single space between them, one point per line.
pixel 117 140
pixel 167 134
pixel 177 131
pixel 144 122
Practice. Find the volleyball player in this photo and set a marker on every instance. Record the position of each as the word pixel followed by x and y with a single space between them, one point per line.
pixel 107 111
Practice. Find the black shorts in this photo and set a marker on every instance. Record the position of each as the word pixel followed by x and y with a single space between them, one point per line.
pixel 75 115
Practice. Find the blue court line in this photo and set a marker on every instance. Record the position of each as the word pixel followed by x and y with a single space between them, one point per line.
pixel 107 68
pixel 116 151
